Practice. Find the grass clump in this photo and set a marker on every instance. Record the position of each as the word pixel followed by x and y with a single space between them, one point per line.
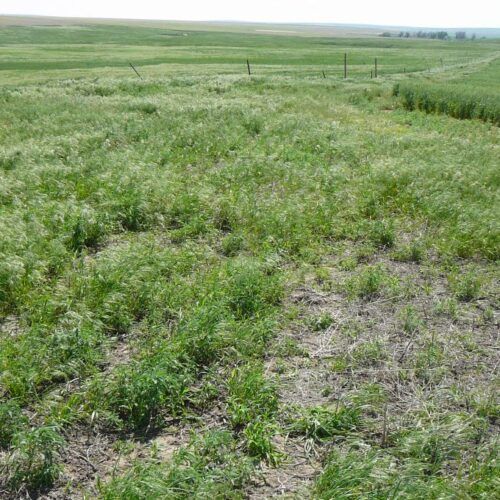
pixel 437 444
pixel 367 472
pixel 382 234
pixel 148 108
pixel 421 463
pixel 322 322
pixel 414 252
pixel 259 441
pixel 466 287
pixel 253 407
pixel 210 467
pixel 252 290
pixel 12 421
pixel 33 461
pixel 458 102
pixel 87 232
pixel 368 283
pixel 9 161
pixel 324 423
pixel 232 244
pixel 251 396
pixel 137 393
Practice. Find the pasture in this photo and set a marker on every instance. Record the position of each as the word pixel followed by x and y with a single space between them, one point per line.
pixel 215 284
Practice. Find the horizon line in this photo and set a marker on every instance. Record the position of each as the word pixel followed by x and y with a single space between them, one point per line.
pixel 237 21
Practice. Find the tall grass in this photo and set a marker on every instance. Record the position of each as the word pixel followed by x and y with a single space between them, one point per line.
pixel 462 102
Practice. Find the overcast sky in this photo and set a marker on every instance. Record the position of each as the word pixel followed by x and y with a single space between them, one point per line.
pixel 428 13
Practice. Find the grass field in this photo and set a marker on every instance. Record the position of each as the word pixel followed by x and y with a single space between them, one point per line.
pixel 231 286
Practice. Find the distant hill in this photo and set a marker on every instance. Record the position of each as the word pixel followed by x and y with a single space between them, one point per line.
pixel 306 29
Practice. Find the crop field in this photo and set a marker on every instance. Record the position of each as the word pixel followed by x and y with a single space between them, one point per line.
pixel 222 285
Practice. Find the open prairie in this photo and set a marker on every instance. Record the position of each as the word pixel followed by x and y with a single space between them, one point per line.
pixel 216 284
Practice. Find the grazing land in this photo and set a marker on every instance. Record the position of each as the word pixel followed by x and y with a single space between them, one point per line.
pixel 222 285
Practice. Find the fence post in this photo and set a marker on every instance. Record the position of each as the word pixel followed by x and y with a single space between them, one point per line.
pixel 345 65
pixel 376 68
pixel 248 67
pixel 136 72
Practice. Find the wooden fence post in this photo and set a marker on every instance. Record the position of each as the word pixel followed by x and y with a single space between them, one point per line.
pixel 136 72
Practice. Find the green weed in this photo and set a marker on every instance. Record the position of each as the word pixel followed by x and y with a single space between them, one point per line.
pixel 321 423
pixel 210 466
pixel 33 461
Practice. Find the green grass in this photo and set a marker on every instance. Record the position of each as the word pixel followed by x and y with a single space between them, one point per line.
pixel 209 467
pixel 175 214
pixel 476 97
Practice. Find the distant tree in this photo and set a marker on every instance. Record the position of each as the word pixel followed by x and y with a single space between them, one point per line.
pixel 386 34
pixel 442 35
pixel 473 37
pixel 401 34
pixel 407 34
pixel 460 35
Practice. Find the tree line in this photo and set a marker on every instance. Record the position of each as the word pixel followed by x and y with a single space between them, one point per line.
pixel 434 35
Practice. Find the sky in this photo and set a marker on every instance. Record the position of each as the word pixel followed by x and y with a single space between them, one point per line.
pixel 424 13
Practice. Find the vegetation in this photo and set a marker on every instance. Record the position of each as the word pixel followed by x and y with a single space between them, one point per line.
pixel 462 103
pixel 177 248
pixel 456 98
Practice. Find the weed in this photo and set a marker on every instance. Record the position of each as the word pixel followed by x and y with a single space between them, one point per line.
pixel 151 229
pixel 87 232
pixel 382 234
pixel 232 244
pixel 210 466
pixel 321 422
pixel 466 287
pixel 322 322
pixel 259 442
pixel 33 461
pixel 134 397
pixel 9 161
pixel 12 421
pixel 412 322
pixel 367 283
pixel 458 102
pixel 414 252
pixel 251 396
